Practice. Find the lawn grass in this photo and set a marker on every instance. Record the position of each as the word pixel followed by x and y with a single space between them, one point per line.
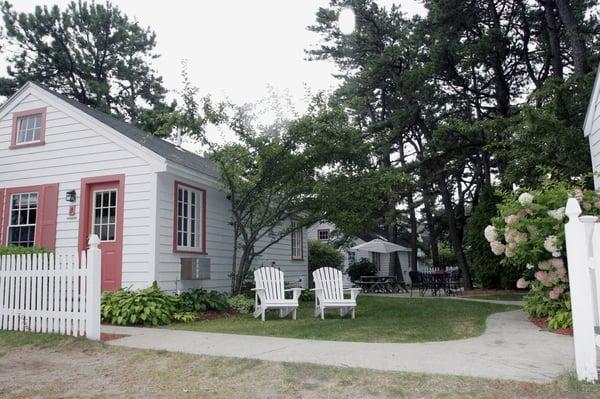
pixel 74 368
pixel 378 319
pixel 12 339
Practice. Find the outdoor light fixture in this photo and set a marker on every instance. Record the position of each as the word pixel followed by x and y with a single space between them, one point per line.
pixel 71 196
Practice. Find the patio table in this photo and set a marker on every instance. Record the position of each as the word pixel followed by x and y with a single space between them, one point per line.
pixel 387 284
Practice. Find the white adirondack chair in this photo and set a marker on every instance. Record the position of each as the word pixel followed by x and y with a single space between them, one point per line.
pixel 270 293
pixel 329 292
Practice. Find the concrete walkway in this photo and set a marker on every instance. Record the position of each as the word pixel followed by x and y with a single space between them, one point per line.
pixel 511 348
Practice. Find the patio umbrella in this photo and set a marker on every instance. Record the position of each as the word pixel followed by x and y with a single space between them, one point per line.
pixel 379 245
pixel 384 247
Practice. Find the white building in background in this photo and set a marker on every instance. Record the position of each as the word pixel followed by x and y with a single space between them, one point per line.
pixel 325 232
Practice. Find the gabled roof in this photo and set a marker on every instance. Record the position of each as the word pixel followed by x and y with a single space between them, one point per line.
pixel 593 107
pixel 167 150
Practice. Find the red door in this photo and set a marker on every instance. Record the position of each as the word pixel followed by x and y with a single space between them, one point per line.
pixel 105 219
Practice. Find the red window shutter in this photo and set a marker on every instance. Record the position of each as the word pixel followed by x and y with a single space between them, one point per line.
pixel 46 237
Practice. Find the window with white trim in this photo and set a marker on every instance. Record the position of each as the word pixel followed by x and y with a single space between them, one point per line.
pixel 29 129
pixel 296 241
pixel 105 214
pixel 323 235
pixel 189 219
pixel 22 219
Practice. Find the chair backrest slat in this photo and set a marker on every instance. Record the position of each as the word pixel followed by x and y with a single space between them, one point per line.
pixel 329 280
pixel 271 280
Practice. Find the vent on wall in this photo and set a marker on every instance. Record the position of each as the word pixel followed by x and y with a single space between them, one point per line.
pixel 195 268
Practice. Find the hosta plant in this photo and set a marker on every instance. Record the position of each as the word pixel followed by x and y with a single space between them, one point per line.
pixel 528 233
pixel 199 300
pixel 148 306
pixel 241 303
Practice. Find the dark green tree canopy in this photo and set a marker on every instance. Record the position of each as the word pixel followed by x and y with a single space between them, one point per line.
pixel 89 51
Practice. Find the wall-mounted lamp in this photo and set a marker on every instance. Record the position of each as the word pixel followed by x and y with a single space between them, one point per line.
pixel 71 196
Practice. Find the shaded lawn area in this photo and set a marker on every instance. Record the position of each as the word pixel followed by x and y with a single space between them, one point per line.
pixel 34 365
pixel 378 319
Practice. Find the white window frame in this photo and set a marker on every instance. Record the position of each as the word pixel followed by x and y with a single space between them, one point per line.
pixel 116 213
pixel 323 231
pixel 297 242
pixel 10 210
pixel 198 245
pixel 39 128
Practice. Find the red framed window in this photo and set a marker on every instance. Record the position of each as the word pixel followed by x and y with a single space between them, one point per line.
pixel 297 242
pixel 22 219
pixel 189 227
pixel 323 234
pixel 29 216
pixel 28 128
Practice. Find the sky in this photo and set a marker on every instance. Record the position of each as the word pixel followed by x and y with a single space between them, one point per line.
pixel 235 49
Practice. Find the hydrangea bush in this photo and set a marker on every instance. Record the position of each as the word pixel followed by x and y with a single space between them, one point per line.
pixel 529 232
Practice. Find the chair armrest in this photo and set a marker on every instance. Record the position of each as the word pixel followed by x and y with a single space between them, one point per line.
pixel 296 292
pixel 353 292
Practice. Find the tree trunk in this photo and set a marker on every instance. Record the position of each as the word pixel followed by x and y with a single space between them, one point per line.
pixel 413 233
pixel 455 237
pixel 433 239
pixel 575 36
pixel 244 266
pixel 234 258
pixel 552 30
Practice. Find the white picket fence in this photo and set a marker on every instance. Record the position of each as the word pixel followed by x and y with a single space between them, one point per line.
pixel 582 235
pixel 49 293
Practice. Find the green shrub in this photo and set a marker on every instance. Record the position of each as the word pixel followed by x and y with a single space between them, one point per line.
pixel 323 255
pixel 446 255
pixel 529 235
pixel 363 267
pixel 241 303
pixel 185 317
pixel 486 268
pixel 307 296
pixel 148 306
pixel 17 250
pixel 200 300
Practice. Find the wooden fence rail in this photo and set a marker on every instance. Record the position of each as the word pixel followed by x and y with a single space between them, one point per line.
pixel 49 293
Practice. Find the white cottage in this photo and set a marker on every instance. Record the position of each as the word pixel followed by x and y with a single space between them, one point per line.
pixel 591 129
pixel 67 170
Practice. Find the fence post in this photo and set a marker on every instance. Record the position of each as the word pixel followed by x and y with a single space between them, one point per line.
pixel 93 288
pixel 578 245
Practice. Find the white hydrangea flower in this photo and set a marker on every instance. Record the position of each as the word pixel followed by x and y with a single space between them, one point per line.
pixel 525 199
pixel 497 247
pixel 557 214
pixel 490 233
pixel 551 245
